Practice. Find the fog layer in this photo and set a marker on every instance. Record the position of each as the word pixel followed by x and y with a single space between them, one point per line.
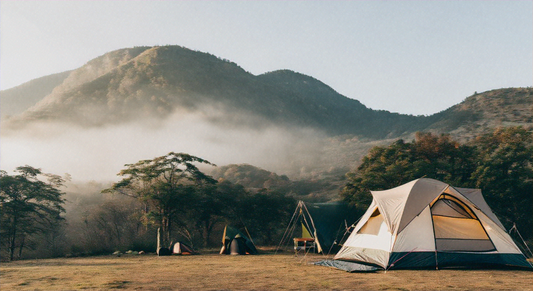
pixel 99 153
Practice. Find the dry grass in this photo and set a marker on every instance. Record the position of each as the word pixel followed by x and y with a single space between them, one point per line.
pixel 217 272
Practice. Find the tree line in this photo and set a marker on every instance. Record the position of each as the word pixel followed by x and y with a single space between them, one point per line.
pixel 170 192
pixel 167 192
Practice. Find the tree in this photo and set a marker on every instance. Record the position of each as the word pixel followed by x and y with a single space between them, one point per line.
pixel 429 155
pixel 505 175
pixel 166 185
pixel 214 205
pixel 28 206
pixel 265 214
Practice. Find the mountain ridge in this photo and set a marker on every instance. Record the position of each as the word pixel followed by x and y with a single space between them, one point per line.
pixel 135 83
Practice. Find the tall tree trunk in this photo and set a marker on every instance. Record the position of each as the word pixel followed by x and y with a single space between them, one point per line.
pixel 168 233
pixel 117 232
pixel 158 238
pixel 21 246
pixel 208 228
pixel 13 238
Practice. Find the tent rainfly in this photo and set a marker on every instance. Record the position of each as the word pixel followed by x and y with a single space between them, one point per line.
pixel 323 223
pixel 235 242
pixel 429 224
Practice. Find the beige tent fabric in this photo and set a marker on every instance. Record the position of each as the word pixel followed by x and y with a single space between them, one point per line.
pixel 417 194
pixel 367 255
pixel 501 240
pixel 374 248
pixel 381 240
pixel 417 235
pixel 373 225
pixel 365 216
pixel 424 191
pixel 449 209
pixel 392 202
pixel 499 237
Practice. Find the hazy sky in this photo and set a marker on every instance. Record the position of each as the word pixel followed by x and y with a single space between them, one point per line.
pixel 416 57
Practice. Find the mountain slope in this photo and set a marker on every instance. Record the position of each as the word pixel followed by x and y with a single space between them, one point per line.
pixel 482 112
pixel 142 82
pixel 16 100
pixel 317 189
pixel 158 82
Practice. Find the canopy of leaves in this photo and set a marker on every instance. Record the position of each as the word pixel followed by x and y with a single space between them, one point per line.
pixel 166 185
pixel 505 175
pixel 28 206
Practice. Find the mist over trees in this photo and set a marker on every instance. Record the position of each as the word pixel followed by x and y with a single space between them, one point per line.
pixel 173 193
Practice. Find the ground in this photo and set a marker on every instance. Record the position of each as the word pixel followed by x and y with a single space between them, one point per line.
pixel 222 272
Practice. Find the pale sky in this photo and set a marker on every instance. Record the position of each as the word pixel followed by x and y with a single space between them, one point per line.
pixel 413 57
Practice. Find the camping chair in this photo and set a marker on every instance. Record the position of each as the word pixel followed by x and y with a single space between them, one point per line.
pixel 303 244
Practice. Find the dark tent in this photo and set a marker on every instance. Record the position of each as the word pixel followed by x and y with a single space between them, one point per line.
pixel 322 224
pixel 234 242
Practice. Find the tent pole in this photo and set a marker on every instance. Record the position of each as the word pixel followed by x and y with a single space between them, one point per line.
pixel 436 260
pixel 523 241
pixel 288 226
pixel 246 229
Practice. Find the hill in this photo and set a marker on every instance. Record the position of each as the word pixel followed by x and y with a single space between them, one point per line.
pixel 318 188
pixel 157 82
pixel 18 99
pixel 142 82
pixel 481 112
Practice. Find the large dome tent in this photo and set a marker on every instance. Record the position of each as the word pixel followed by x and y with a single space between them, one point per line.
pixel 428 224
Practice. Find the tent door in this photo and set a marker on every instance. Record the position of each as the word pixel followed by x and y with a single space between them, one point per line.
pixel 457 228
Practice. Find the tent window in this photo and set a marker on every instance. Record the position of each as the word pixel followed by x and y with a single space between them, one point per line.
pixel 457 228
pixel 373 224
pixel 450 208
pixel 375 213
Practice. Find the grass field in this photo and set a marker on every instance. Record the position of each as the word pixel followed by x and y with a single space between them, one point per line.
pixel 221 272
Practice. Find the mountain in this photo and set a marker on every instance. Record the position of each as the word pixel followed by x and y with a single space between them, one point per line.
pixel 141 102
pixel 485 111
pixel 130 84
pixel 157 82
pixel 18 99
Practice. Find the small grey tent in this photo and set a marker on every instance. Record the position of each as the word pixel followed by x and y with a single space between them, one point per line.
pixel 320 224
pixel 429 224
pixel 234 242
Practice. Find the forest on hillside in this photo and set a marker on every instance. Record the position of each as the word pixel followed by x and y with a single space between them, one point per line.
pixel 40 218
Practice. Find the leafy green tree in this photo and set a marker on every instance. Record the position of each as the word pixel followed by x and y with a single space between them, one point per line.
pixel 214 205
pixel 265 214
pixel 429 155
pixel 505 175
pixel 167 187
pixel 28 206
